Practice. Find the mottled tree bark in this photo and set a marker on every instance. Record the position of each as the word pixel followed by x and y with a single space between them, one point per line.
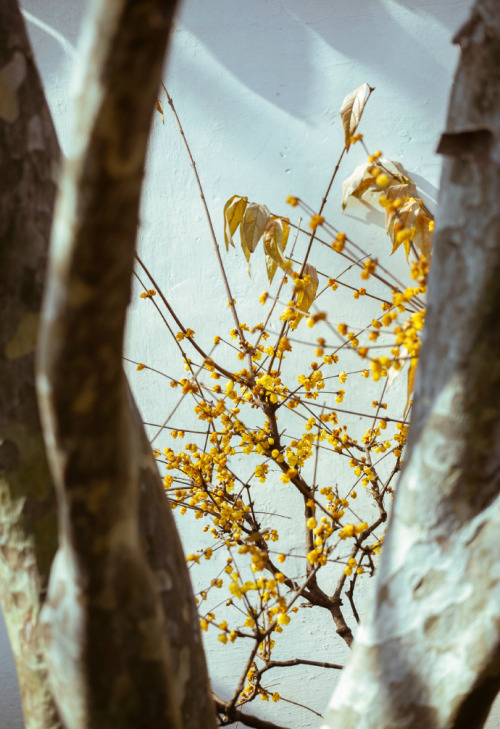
pixel 166 557
pixel 428 653
pixel 109 657
pixel 28 530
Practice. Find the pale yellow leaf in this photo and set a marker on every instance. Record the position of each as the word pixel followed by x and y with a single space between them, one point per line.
pixel 423 236
pixel 407 247
pixel 234 210
pixel 352 109
pixel 159 109
pixel 307 294
pixel 358 182
pixel 275 239
pixel 245 248
pixel 286 231
pixel 397 192
pixel 407 215
pixel 393 373
pixel 395 171
pixel 362 185
pixel 253 225
pixel 412 372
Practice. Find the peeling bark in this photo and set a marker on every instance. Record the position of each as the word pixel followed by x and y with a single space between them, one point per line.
pixel 109 658
pixel 428 653
pixel 28 529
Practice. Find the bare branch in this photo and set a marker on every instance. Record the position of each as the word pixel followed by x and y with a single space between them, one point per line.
pixel 233 715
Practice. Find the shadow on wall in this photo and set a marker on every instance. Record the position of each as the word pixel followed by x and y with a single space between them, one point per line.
pixel 60 35
pixel 450 20
pixel 261 59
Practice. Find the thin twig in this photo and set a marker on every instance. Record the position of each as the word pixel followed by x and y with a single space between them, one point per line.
pixel 231 715
pixel 230 299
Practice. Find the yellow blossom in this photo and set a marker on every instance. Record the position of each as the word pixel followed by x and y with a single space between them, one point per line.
pixel 339 242
pixel 382 180
pixel 316 221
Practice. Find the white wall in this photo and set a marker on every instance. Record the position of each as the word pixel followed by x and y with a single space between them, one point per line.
pixel 258 86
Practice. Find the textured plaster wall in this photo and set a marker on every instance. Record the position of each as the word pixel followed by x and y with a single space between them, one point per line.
pixel 258 86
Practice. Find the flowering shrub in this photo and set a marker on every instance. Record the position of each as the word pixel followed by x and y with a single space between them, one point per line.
pixel 312 433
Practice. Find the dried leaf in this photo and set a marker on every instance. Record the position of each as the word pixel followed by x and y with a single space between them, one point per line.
pixel 394 373
pixel 362 185
pixel 395 171
pixel 403 191
pixel 423 236
pixel 286 231
pixel 245 249
pixel 412 217
pixel 307 294
pixel 275 240
pixel 352 109
pixel 357 183
pixel 253 226
pixel 406 216
pixel 234 210
pixel 411 382
pixel 393 193
pixel 159 108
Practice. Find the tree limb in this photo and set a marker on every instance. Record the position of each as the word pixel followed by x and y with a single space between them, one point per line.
pixel 428 653
pixel 28 526
pixel 115 668
pixel 234 715
pixel 166 558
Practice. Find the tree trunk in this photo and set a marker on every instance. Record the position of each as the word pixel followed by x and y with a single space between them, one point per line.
pixel 109 658
pixel 181 621
pixel 428 653
pixel 28 529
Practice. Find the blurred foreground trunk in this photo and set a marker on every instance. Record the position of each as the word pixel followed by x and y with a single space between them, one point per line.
pixel 428 653
pixel 28 523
